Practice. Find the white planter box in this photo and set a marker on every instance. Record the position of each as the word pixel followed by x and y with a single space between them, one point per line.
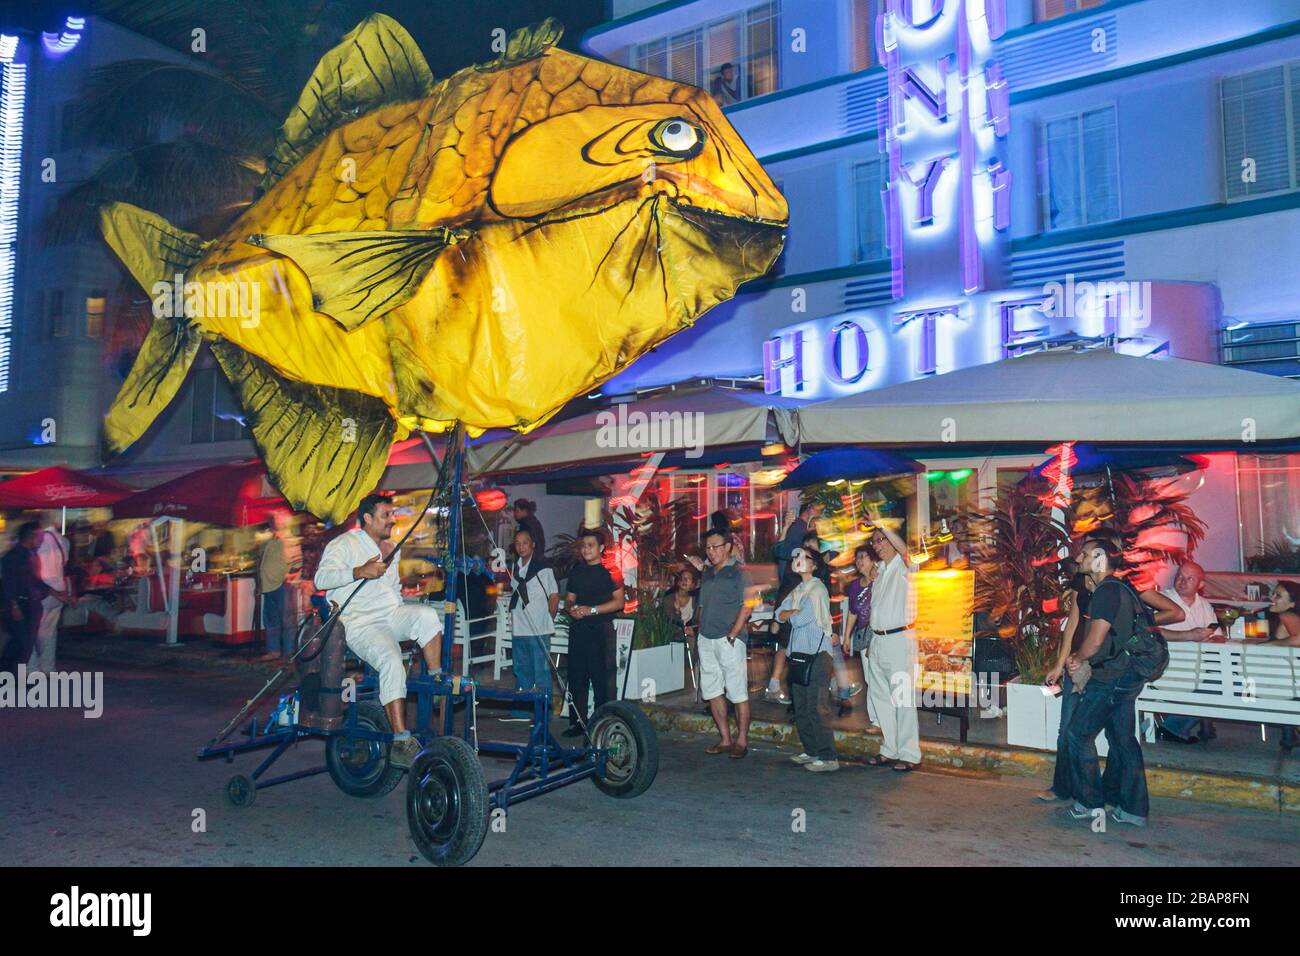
pixel 1034 717
pixel 655 671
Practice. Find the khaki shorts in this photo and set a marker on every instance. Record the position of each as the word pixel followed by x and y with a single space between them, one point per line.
pixel 723 668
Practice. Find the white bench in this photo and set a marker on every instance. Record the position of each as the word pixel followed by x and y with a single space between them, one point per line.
pixel 1254 683
pixel 559 644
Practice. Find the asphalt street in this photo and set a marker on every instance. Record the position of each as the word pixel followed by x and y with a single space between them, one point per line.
pixel 126 789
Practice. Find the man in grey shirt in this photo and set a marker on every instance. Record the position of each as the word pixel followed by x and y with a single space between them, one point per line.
pixel 724 613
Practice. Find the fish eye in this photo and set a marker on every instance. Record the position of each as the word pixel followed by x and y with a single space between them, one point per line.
pixel 677 137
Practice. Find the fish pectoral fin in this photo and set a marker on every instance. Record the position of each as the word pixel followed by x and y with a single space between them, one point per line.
pixel 359 276
pixel 324 448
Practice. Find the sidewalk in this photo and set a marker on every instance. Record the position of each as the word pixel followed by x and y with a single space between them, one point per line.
pixel 1235 769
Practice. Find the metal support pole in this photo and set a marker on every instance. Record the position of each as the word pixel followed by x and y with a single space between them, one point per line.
pixel 456 449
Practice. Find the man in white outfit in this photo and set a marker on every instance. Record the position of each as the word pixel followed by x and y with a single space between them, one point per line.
pixel 52 555
pixel 892 661
pixel 376 620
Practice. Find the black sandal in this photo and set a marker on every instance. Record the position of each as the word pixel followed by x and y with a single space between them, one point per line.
pixel 902 766
pixel 879 761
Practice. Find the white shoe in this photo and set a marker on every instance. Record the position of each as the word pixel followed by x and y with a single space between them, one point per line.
pixel 803 759
pixel 822 766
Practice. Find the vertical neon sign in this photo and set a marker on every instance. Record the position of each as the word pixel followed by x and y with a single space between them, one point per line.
pixel 947 106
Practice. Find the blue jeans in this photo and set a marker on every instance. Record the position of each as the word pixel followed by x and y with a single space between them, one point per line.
pixel 1062 779
pixel 528 656
pixel 278 637
pixel 1108 706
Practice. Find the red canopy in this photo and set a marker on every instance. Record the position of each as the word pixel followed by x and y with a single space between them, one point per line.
pixel 60 487
pixel 229 495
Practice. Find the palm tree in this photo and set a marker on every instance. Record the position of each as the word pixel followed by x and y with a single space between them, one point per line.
pixel 189 139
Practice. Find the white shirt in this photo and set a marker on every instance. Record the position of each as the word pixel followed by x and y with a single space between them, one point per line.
pixel 893 599
pixel 377 601
pixel 536 617
pixel 1200 613
pixel 52 555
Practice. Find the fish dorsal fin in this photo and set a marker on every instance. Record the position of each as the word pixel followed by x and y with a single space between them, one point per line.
pixel 359 276
pixel 376 64
pixel 526 43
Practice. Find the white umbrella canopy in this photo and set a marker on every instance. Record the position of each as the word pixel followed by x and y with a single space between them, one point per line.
pixel 1050 396
pixel 686 419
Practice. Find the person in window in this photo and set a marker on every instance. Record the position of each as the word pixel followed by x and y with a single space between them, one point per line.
pixel 725 88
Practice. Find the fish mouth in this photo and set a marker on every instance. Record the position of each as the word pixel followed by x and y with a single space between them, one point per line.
pixel 750 244
pixel 691 211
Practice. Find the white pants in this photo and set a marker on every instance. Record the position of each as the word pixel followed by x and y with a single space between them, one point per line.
pixel 891 688
pixel 47 636
pixel 723 667
pixel 376 643
pixel 866 676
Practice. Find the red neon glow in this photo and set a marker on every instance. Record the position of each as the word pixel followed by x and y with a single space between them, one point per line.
pixel 490 499
pixel 1057 472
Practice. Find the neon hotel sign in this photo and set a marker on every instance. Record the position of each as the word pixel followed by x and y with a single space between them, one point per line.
pixel 947 199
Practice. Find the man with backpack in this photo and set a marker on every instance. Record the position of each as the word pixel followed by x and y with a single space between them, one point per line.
pixel 1122 651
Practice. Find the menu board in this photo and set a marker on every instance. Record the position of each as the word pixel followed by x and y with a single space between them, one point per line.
pixel 945 604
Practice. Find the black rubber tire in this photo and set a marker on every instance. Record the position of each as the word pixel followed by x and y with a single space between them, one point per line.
pixel 621 727
pixel 360 768
pixel 447 802
pixel 241 791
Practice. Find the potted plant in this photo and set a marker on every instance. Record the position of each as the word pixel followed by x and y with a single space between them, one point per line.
pixel 1015 552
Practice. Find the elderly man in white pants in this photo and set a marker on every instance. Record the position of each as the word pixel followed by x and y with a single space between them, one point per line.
pixel 892 678
pixel 376 620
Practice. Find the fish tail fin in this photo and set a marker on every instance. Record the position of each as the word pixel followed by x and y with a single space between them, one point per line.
pixel 153 251
pixel 324 448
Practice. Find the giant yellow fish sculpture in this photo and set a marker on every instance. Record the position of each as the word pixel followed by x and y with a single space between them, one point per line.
pixel 479 249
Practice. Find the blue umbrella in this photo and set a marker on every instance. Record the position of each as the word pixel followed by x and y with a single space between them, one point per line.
pixel 853 464
pixel 1093 460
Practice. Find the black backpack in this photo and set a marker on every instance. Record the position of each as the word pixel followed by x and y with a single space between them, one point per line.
pixel 1139 647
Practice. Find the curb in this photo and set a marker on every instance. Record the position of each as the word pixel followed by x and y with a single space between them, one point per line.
pixel 1229 790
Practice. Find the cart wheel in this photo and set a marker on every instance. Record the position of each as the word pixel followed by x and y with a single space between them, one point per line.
pixel 623 729
pixel 360 768
pixel 241 791
pixel 447 802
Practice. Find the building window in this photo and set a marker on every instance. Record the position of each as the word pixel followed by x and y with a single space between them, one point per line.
pixel 214 413
pixel 734 58
pixel 1271 347
pixel 56 324
pixel 862 30
pixel 1051 9
pixel 1261 131
pixel 1270 509
pixel 868 180
pixel 96 305
pixel 1082 169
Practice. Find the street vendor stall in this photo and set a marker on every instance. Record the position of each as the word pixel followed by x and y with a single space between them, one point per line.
pixel 220 604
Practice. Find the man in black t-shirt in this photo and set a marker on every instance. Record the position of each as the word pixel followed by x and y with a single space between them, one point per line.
pixel 1107 701
pixel 593 597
